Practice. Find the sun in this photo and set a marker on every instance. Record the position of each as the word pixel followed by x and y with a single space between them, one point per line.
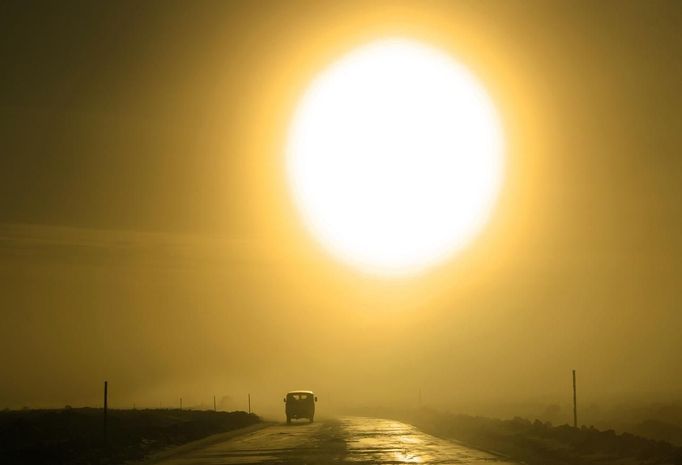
pixel 395 157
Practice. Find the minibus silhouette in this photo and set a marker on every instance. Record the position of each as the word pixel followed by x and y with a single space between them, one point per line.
pixel 300 404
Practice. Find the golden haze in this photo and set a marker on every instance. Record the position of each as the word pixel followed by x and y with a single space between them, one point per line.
pixel 160 248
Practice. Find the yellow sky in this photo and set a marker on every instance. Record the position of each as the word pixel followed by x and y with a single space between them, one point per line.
pixel 148 236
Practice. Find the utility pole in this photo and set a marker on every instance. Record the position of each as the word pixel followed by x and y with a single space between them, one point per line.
pixel 180 403
pixel 106 407
pixel 249 403
pixel 214 409
pixel 575 404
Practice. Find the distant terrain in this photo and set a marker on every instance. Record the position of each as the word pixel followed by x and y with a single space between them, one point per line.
pixel 77 436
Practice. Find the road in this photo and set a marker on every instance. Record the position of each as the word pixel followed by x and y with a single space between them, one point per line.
pixel 354 440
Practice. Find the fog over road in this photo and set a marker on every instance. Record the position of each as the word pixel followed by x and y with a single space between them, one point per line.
pixel 350 439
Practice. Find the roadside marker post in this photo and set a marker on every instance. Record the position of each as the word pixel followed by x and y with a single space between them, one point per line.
pixel 106 408
pixel 575 404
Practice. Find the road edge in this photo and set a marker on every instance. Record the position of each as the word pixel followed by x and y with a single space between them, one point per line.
pixel 463 443
pixel 199 443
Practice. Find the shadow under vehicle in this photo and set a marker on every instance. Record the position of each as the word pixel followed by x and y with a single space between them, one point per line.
pixel 300 404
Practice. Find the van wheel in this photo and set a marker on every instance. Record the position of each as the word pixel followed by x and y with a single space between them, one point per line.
pixel 288 420
pixel 311 419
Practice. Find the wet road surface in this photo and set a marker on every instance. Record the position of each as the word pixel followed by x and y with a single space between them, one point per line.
pixel 353 440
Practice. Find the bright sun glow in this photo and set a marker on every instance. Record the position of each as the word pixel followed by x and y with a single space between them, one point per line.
pixel 395 156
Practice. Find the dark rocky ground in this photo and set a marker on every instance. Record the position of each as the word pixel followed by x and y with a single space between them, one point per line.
pixel 538 443
pixel 76 436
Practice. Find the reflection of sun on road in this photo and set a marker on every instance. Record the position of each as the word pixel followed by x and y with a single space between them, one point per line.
pixel 373 440
pixel 352 440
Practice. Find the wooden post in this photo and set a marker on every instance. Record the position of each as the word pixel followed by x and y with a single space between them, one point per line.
pixel 249 403
pixel 180 403
pixel 106 407
pixel 214 409
pixel 575 404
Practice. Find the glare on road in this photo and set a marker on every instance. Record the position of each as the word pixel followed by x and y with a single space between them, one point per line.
pixel 351 440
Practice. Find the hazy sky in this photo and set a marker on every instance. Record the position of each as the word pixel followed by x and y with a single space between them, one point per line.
pixel 147 235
